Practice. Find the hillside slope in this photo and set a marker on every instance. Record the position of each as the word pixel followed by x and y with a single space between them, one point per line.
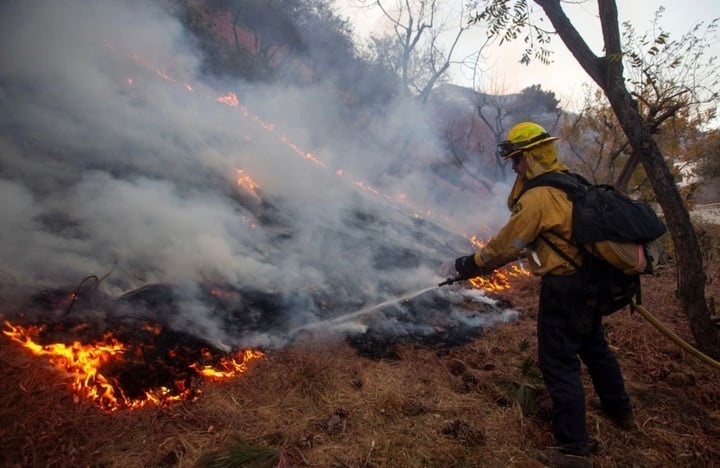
pixel 318 402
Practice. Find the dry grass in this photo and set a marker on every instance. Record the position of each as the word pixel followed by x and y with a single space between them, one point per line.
pixel 319 403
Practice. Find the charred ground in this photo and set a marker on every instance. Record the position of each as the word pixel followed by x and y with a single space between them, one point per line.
pixel 325 403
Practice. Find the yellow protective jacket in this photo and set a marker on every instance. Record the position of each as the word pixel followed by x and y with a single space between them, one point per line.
pixel 541 209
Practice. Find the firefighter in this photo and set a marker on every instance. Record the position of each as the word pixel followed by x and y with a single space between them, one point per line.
pixel 539 210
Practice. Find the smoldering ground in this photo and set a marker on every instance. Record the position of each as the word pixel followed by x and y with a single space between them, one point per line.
pixel 118 160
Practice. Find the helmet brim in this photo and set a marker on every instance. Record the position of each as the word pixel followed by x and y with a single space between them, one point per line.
pixel 527 147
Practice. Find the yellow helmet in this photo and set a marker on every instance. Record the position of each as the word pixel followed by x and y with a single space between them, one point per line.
pixel 522 136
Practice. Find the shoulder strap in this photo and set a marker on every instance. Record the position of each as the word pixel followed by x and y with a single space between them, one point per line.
pixel 557 250
pixel 573 184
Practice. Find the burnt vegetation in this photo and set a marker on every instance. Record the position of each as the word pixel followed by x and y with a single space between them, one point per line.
pixel 445 399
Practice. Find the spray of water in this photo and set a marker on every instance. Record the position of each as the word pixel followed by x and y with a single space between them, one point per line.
pixel 329 323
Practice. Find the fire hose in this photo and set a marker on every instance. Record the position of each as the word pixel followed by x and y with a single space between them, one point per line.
pixel 673 337
pixel 653 321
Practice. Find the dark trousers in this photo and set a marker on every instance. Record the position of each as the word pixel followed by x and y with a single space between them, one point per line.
pixel 560 348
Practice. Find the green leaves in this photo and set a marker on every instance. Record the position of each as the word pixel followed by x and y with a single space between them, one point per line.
pixel 509 20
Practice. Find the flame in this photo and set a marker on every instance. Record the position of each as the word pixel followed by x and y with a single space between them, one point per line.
pixel 245 181
pixel 229 367
pixel 230 99
pixel 248 221
pixel 220 293
pixel 499 280
pixel 476 242
pixel 155 329
pixel 164 75
pixel 367 188
pixel 82 363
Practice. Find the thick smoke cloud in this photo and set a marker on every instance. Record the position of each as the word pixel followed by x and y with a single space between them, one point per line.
pixel 115 155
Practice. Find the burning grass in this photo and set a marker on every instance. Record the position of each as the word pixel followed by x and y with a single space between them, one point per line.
pixel 320 403
pixel 135 372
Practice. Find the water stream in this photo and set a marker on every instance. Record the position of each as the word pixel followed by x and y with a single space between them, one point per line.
pixel 363 311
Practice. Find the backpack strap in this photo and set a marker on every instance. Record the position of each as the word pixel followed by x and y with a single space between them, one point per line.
pixel 557 250
pixel 574 185
pixel 571 183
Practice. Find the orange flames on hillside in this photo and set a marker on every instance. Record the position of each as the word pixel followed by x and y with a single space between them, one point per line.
pixel 84 364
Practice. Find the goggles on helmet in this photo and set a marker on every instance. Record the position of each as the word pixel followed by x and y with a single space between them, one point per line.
pixel 508 148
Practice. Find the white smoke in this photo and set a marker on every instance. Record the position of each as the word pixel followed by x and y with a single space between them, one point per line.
pixel 114 150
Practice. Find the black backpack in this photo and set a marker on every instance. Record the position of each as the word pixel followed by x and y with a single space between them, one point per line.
pixel 616 235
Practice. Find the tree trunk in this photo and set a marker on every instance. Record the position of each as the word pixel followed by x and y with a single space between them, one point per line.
pixel 607 72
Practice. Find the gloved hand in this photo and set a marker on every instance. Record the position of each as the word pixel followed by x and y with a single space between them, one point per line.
pixel 467 268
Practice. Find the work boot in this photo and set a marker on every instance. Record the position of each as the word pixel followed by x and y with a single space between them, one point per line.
pixel 552 457
pixel 625 420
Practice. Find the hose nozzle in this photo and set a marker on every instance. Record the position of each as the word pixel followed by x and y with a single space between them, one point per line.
pixel 452 280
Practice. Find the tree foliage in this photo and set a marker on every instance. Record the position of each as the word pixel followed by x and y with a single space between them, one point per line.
pixel 510 19
pixel 535 99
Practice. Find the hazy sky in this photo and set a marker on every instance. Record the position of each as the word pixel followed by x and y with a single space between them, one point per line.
pixel 564 76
